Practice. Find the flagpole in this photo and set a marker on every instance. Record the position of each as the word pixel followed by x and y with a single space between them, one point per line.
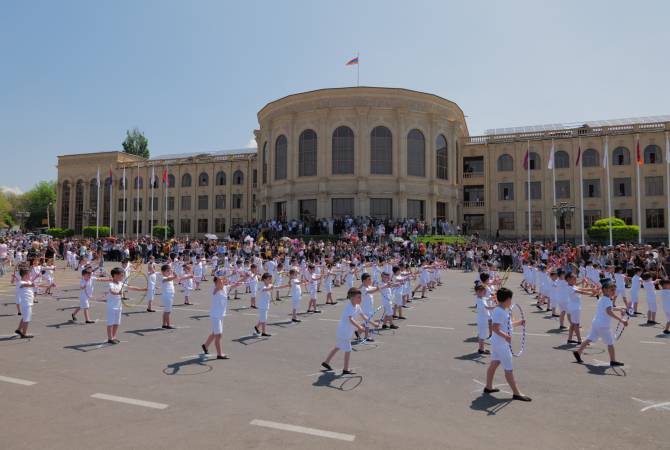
pixel 581 190
pixel 637 173
pixel 167 184
pixel 97 206
pixel 609 188
pixel 553 180
pixel 530 224
pixel 358 70
pixel 151 220
pixel 125 186
pixel 667 179
pixel 111 203
pixel 137 210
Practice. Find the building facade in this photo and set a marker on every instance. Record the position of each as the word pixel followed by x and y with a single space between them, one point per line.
pixel 386 153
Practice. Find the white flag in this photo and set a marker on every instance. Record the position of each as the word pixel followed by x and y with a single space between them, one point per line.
pixel 97 178
pixel 550 166
pixel 153 177
pixel 123 180
pixel 605 156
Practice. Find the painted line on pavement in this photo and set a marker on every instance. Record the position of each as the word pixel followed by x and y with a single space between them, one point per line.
pixel 129 401
pixel 17 381
pixel 652 342
pixel 330 320
pixel 303 430
pixel 430 326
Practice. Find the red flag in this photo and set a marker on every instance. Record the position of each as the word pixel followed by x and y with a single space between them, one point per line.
pixel 111 176
pixel 525 161
pixel 639 157
pixel 165 176
pixel 579 155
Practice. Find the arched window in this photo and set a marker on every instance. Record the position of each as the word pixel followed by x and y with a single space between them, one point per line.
pixel 561 160
pixel 238 177
pixel 281 157
pixel 203 179
pixel 505 163
pixel 93 194
pixel 534 161
pixel 307 154
pixel 441 158
pixel 652 154
pixel 221 178
pixel 381 151
pixel 416 154
pixel 65 205
pixel 171 181
pixel 186 180
pixel 139 182
pixel 78 206
pixel 621 156
pixel 123 183
pixel 266 157
pixel 343 151
pixel 591 158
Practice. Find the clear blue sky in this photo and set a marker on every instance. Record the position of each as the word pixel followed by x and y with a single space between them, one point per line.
pixel 193 74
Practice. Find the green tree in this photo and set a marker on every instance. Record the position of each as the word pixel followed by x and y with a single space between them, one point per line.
pixel 136 143
pixel 36 201
pixel 5 211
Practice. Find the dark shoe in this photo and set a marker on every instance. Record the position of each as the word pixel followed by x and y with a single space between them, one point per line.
pixel 402 318
pixel 266 334
pixel 578 357
pixel 616 364
pixel 384 327
pixel 18 332
pixel 393 327
pixel 74 318
pixel 490 391
pixel 538 306
pixel 169 327
pixel 369 339
pixel 90 321
pixel 562 327
pixel 296 320
pixel 222 357
pixel 257 331
pixel 484 352
pixel 204 349
pixel 523 398
pixel 666 331
pixel 151 310
pixel 571 341
pixel 326 366
pixel 555 315
pixel 357 334
pixel 318 311
pixel 348 372
pixel 111 341
pixel 253 307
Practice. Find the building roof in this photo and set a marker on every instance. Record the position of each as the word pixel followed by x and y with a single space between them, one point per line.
pixel 236 151
pixel 574 125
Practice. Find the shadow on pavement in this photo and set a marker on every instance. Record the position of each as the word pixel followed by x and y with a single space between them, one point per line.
pixel 476 357
pixel 244 340
pixel 338 382
pixel 89 347
pixel 490 404
pixel 193 366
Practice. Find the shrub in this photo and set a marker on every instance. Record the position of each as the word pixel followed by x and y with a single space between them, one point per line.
pixel 620 231
pixel 441 239
pixel 58 233
pixel 90 231
pixel 158 231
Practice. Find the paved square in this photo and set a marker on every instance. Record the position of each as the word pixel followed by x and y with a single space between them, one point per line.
pixel 415 387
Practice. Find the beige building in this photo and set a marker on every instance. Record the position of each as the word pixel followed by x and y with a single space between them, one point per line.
pixel 381 152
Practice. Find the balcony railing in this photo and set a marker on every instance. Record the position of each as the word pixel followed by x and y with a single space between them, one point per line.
pixel 472 174
pixel 476 204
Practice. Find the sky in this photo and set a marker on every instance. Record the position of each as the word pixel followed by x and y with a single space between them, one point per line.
pixel 192 75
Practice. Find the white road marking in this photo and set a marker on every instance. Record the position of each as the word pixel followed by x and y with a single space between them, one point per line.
pixel 330 320
pixel 129 401
pixel 534 334
pixel 652 342
pixel 256 314
pixel 187 309
pixel 653 404
pixel 303 430
pixel 430 326
pixel 17 381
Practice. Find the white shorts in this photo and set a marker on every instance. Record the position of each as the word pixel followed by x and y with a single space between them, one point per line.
pixel 295 302
pixel 666 309
pixel 262 315
pixel 634 295
pixel 603 333
pixel 483 330
pixel 504 355
pixel 344 344
pixel 620 293
pixel 575 315
pixel 113 316
pixel 151 291
pixel 388 309
pixel 84 303
pixel 26 312
pixel 167 302
pixel 217 325
pixel 397 299
pixel 651 304
pixel 563 304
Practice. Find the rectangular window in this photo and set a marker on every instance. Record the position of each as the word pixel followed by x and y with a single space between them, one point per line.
pixel 185 202
pixel 202 226
pixel 280 210
pixel 136 202
pixel 536 217
pixel 621 187
pixel 591 188
pixel 473 165
pixel 220 201
pixel 203 202
pixel 505 191
pixel 154 204
pixel 170 224
pixel 506 221
pixel 655 217
pixel 474 222
pixel 219 225
pixel 624 214
pixel 170 203
pixel 137 226
pixel 119 227
pixel 237 201
pixel 307 209
pixel 441 211
pixel 653 186
pixel 473 193
pixel 562 189
pixel 123 205
pixel 535 190
pixel 253 204
pixel 342 207
pixel 590 216
pixel 381 208
pixel 185 226
pixel 415 209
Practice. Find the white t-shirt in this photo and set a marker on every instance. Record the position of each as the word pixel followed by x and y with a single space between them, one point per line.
pixel 26 293
pixel 345 330
pixel 86 288
pixel 574 299
pixel 501 317
pixel 483 314
pixel 114 300
pixel 219 303
pixel 167 285
pixel 263 297
pixel 602 319
pixel 296 289
pixel 367 303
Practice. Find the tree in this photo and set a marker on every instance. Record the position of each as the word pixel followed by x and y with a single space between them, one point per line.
pixel 36 201
pixel 6 219
pixel 136 144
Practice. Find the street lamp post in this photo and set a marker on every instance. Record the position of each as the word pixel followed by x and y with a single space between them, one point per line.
pixel 22 216
pixel 49 214
pixel 561 211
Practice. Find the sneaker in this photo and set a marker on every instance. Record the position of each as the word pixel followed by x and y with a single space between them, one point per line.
pixel 578 357
pixel 257 332
pixel 616 364
pixel 523 398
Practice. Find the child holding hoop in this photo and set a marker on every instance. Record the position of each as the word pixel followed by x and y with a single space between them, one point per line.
pixel 114 307
pixel 483 317
pixel 217 313
pixel 500 344
pixel 26 297
pixel 601 325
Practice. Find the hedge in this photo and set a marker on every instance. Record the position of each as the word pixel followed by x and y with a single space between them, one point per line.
pixel 90 231
pixel 158 231
pixel 60 233
pixel 441 239
pixel 620 231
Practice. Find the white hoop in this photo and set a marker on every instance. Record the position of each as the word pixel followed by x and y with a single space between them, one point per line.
pixel 522 317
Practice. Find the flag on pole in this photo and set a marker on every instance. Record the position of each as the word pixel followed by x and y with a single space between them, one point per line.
pixel 111 176
pixel 97 178
pixel 605 157
pixel 639 155
pixel 667 148
pixel 550 166
pixel 579 155
pixel 165 177
pixel 123 179
pixel 352 62
pixel 525 161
